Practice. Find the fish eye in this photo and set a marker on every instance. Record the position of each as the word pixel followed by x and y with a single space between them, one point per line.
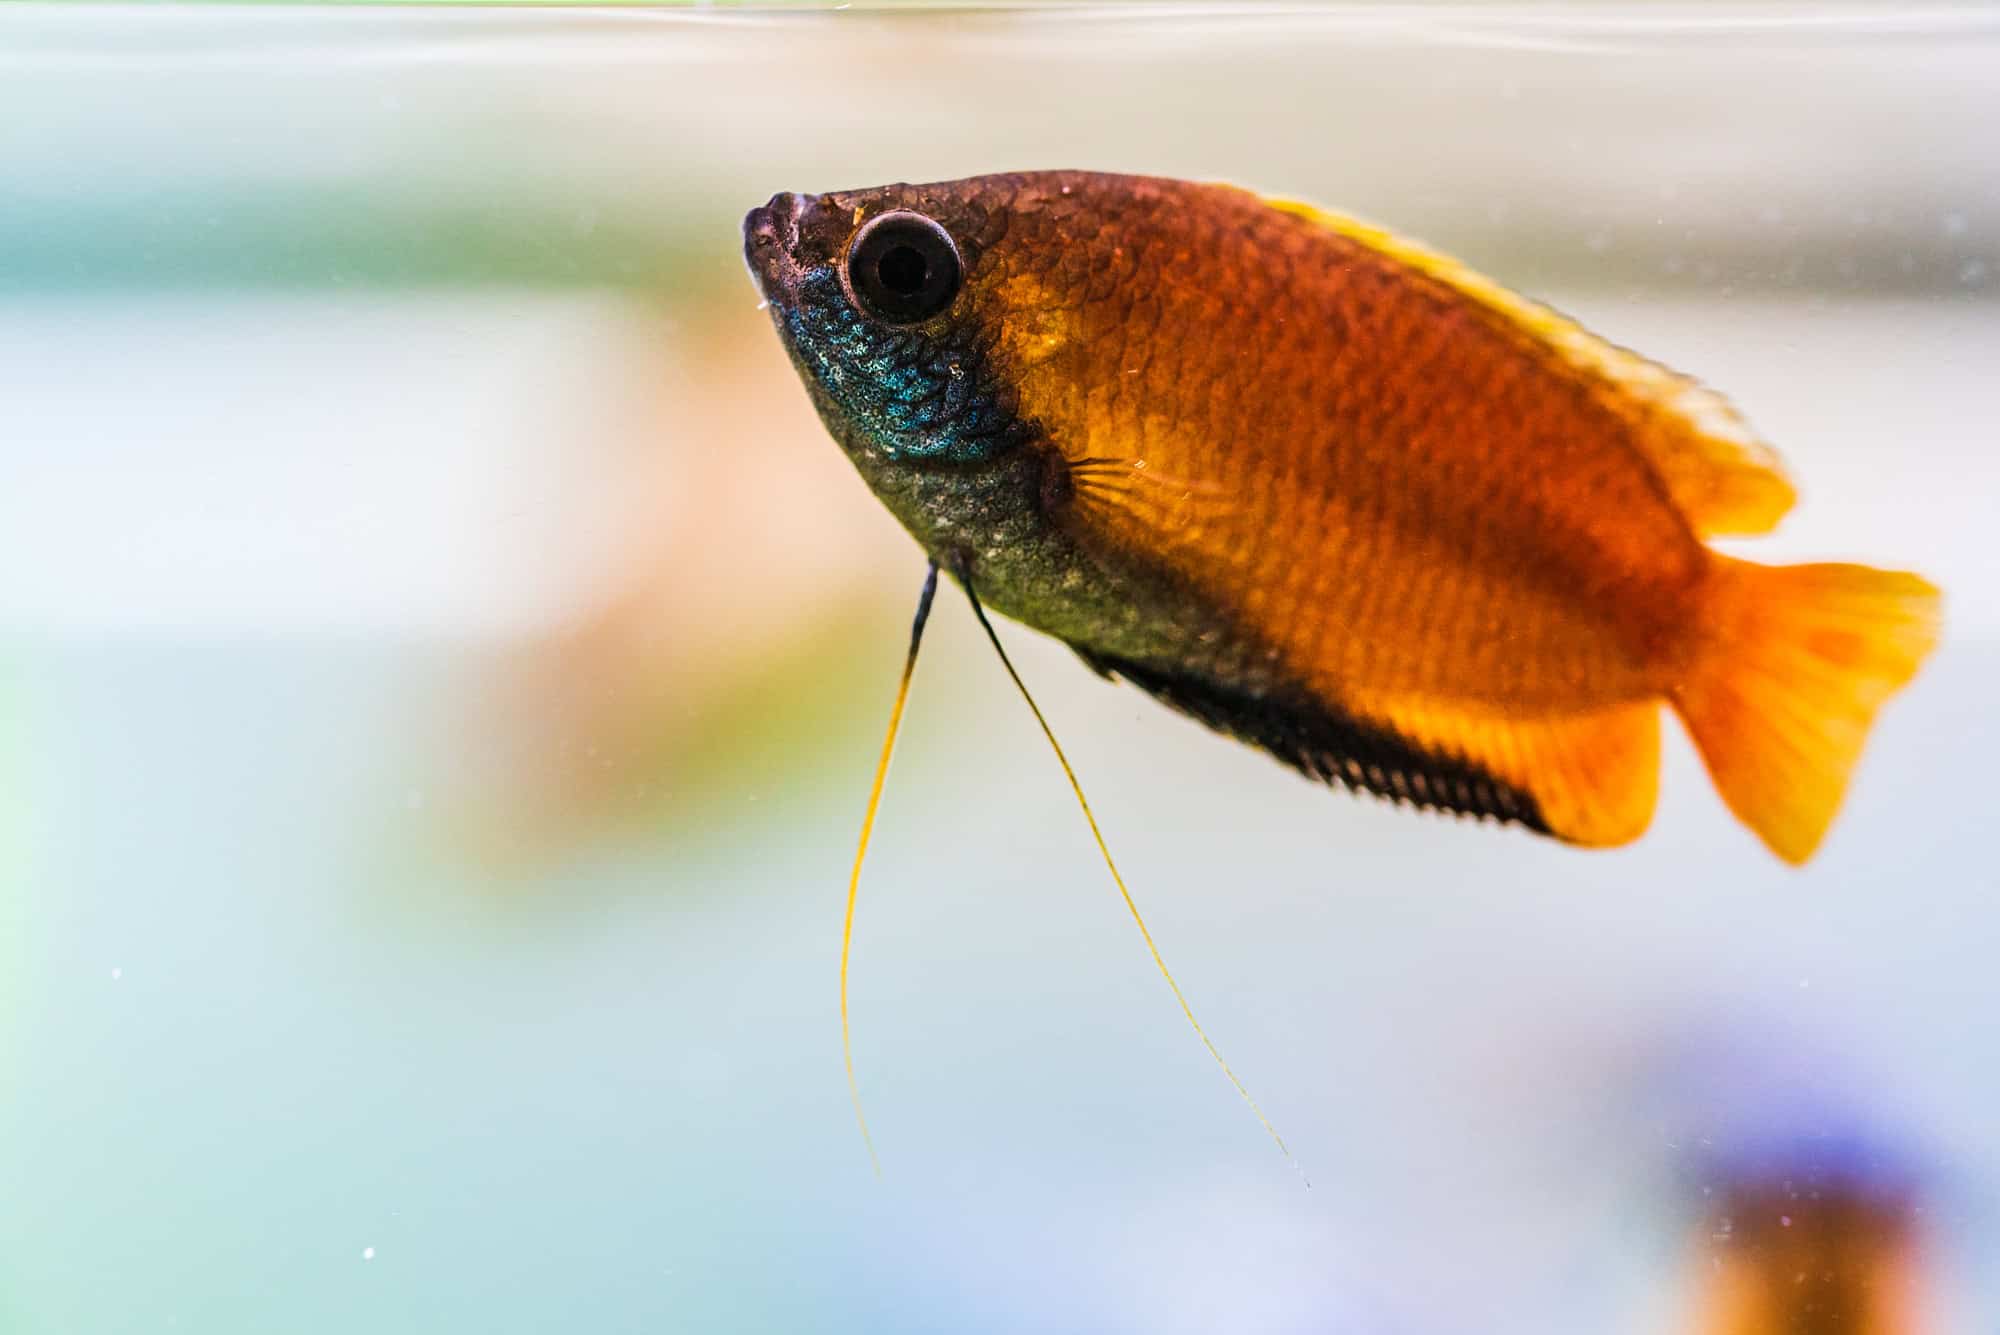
pixel 902 268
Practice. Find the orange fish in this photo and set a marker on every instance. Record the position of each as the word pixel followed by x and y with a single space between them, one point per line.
pixel 1336 495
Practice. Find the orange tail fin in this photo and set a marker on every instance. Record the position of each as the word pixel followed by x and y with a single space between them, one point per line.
pixel 1781 700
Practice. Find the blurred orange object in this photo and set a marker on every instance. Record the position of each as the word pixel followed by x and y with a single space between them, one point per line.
pixel 1816 1247
pixel 749 558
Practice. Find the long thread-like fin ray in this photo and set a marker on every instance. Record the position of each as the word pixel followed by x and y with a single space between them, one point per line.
pixel 1131 906
pixel 861 852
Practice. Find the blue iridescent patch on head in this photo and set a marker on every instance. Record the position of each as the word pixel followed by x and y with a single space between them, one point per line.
pixel 915 393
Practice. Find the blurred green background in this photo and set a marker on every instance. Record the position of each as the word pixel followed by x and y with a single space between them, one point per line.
pixel 441 659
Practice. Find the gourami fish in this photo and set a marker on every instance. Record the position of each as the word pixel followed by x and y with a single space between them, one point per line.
pixel 1336 495
pixel 1333 494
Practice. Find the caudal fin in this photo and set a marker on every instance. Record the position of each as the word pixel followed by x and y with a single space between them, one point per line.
pixel 1781 700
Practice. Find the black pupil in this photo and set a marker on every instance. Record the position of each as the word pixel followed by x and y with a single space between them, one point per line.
pixel 903 270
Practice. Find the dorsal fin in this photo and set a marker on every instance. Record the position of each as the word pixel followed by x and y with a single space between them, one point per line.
pixel 1721 476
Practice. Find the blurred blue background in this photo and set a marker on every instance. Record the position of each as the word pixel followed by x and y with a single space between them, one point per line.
pixel 441 659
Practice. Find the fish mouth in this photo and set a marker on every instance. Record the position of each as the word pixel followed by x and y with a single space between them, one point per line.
pixel 770 234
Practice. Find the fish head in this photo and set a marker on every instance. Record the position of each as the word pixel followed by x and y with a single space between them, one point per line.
pixel 885 300
pixel 887 304
pixel 952 337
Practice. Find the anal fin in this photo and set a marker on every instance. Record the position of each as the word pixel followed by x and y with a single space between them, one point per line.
pixel 1594 777
pixel 1328 744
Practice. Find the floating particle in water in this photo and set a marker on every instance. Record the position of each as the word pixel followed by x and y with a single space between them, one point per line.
pixel 367 1253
